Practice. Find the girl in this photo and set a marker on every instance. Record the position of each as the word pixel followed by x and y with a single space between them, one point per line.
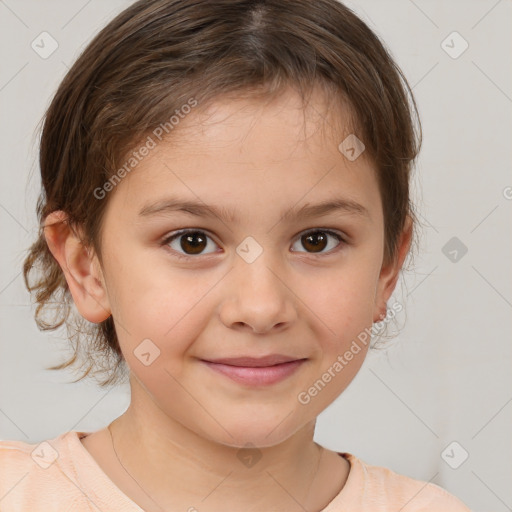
pixel 226 203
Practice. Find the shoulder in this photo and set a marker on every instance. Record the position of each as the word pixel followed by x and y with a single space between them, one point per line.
pixel 31 471
pixel 16 459
pixel 25 456
pixel 382 488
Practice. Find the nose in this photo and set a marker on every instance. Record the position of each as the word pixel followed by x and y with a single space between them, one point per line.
pixel 258 298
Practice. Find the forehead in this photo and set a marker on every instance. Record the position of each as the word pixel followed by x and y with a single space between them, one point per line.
pixel 319 112
pixel 252 154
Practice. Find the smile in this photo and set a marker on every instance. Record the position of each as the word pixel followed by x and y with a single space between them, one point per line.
pixel 256 375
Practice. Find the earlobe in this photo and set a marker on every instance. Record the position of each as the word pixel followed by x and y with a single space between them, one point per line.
pixel 390 273
pixel 80 267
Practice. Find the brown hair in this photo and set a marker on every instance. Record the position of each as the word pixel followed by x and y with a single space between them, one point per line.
pixel 156 55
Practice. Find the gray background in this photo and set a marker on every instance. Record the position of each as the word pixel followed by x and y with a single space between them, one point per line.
pixel 446 377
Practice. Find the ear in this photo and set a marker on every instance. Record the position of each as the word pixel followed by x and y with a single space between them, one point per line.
pixel 390 272
pixel 80 266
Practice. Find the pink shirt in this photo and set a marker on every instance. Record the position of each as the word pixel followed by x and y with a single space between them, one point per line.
pixel 60 475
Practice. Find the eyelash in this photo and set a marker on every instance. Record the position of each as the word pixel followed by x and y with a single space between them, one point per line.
pixel 177 234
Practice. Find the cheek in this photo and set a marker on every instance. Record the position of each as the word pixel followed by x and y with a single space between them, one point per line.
pixel 343 305
pixel 343 301
pixel 170 309
pixel 343 331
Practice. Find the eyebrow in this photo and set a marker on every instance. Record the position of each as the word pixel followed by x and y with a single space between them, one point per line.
pixel 170 205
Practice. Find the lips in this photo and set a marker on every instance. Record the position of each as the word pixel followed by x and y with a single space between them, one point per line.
pixel 255 362
pixel 256 371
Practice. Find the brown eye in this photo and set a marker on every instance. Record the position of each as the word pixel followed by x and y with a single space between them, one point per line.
pixel 191 243
pixel 316 241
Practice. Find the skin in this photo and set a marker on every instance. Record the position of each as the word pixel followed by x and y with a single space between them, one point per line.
pixel 186 424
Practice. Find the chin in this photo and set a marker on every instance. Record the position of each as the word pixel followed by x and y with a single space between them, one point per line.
pixel 255 432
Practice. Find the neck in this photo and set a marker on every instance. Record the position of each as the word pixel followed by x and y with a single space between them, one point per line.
pixel 177 467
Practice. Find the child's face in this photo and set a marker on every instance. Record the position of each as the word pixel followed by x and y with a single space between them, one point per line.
pixel 229 300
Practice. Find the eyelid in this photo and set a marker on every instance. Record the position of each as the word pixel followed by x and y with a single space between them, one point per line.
pixel 330 231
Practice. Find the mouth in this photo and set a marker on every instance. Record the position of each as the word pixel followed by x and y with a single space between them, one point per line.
pixel 251 371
